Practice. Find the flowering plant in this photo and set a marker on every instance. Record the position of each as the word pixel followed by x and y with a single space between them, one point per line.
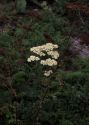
pixel 42 51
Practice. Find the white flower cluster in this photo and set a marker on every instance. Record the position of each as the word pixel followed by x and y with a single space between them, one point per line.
pixel 33 58
pixel 47 73
pixel 53 54
pixel 46 49
pixel 39 50
pixel 49 62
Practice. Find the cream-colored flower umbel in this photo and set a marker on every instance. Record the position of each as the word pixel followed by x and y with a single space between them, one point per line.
pixel 53 54
pixel 47 73
pixel 33 58
pixel 49 62
pixel 48 49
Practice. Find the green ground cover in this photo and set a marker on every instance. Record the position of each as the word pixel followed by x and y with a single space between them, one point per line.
pixel 26 96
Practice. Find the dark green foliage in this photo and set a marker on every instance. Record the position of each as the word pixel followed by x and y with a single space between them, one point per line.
pixel 26 96
pixel 20 6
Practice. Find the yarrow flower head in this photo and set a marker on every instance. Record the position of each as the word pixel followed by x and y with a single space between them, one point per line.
pixel 47 73
pixel 33 58
pixel 43 50
pixel 49 62
pixel 53 54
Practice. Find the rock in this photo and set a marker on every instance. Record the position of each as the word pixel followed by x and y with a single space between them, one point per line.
pixel 80 46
